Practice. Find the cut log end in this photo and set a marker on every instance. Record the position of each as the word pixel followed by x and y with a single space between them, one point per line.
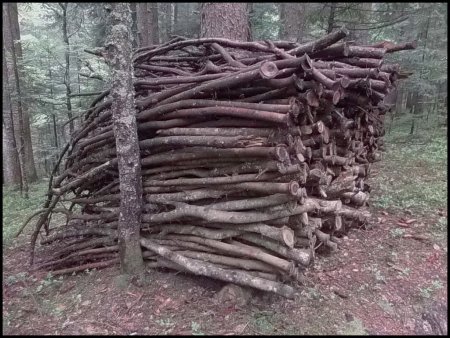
pixel 268 70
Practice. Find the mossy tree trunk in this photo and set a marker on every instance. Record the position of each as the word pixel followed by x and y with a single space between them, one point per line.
pixel 119 58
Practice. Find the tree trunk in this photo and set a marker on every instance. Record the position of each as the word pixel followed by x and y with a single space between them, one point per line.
pixel 8 29
pixel 67 73
pixel 155 25
pixel 144 24
pixel 165 15
pixel 330 23
pixel 225 20
pixel 30 166
pixel 55 133
pixel 176 20
pixel 399 100
pixel 119 58
pixel 11 167
pixel 293 21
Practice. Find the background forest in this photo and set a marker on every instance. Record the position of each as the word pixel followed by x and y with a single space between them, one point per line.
pixel 56 77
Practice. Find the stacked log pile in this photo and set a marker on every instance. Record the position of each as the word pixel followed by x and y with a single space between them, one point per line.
pixel 253 154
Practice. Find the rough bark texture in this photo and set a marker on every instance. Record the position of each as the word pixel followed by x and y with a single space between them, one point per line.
pixel 119 56
pixel 293 21
pixel 225 20
pixel 14 30
pixel 17 94
pixel 145 13
pixel 11 166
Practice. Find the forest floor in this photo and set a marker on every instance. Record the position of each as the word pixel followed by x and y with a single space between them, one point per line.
pixel 390 278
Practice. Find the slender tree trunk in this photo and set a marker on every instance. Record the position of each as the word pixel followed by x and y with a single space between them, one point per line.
pixel 166 21
pixel 67 72
pixel 331 16
pixel 119 58
pixel 176 27
pixel 80 105
pixel 30 166
pixel 225 20
pixel 399 101
pixel 155 25
pixel 50 74
pixel 11 164
pixel 143 18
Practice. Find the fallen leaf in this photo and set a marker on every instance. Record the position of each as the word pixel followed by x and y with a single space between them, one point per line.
pixel 385 213
pixel 409 221
pixel 436 247
pixel 404 225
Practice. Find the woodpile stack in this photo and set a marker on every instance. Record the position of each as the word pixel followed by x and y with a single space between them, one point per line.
pixel 254 155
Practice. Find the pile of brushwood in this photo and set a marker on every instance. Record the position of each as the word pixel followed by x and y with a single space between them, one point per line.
pixel 254 155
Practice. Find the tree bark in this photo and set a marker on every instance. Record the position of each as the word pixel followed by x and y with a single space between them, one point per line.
pixel 145 24
pixel 67 71
pixel 9 39
pixel 11 167
pixel 225 20
pixel 166 21
pixel 155 25
pixel 30 166
pixel 119 57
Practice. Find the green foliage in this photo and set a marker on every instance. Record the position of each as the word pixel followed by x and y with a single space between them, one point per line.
pixel 16 209
pixel 413 172
pixel 264 21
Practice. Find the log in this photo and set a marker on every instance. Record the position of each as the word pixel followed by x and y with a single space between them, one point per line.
pixel 206 269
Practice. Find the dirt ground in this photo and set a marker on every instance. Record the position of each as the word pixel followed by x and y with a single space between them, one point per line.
pixel 390 278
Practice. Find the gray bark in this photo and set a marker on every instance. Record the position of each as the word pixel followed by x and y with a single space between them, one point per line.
pixel 11 166
pixel 9 42
pixel 30 166
pixel 145 14
pixel 67 72
pixel 119 58
pixel 225 20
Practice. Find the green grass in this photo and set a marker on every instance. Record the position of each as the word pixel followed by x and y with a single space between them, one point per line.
pixel 413 172
pixel 17 209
